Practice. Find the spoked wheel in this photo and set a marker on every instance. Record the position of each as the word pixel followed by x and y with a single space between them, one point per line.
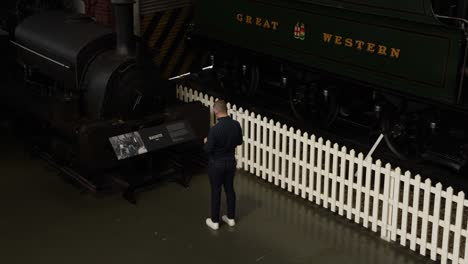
pixel 402 135
pixel 250 79
pixel 232 76
pixel 222 76
pixel 310 103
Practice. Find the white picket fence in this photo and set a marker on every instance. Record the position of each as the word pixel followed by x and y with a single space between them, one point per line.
pixel 417 214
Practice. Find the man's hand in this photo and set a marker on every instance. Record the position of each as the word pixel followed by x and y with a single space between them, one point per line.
pixel 205 140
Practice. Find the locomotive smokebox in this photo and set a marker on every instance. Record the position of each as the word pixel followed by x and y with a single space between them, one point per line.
pixel 123 20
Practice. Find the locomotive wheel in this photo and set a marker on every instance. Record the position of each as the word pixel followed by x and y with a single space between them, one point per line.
pixel 250 80
pixel 222 77
pixel 231 78
pixel 309 103
pixel 402 135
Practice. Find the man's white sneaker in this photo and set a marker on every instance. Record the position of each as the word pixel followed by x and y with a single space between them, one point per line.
pixel 230 222
pixel 211 224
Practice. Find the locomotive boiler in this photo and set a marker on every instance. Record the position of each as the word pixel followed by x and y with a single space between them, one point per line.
pixel 85 84
pixel 396 67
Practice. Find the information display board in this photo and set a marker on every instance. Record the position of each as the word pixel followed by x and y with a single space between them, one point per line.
pixel 151 139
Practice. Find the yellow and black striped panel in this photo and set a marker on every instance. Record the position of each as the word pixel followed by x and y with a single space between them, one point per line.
pixel 163 34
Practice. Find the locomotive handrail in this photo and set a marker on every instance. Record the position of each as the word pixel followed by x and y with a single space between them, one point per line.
pixel 452 18
pixel 40 55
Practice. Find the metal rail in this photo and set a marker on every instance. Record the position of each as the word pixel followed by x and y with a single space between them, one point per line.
pixel 40 55
pixel 464 21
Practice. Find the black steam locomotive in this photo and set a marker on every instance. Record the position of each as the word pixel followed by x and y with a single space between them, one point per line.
pixel 84 84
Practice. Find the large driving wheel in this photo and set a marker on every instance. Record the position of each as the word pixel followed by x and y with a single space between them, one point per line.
pixel 313 104
pixel 222 77
pixel 402 133
pixel 249 80
pixel 233 77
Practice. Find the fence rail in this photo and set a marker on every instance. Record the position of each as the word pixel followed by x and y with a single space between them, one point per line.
pixel 400 207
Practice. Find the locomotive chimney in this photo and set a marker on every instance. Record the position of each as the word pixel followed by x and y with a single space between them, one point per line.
pixel 123 21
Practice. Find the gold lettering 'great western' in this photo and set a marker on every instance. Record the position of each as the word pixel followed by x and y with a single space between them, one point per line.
pixel 361 45
pixel 257 21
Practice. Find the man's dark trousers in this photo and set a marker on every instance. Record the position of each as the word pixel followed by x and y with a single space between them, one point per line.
pixel 221 173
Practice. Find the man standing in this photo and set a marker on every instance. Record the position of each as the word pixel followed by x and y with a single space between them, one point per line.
pixel 220 145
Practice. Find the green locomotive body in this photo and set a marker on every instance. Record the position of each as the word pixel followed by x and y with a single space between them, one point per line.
pixel 397 67
pixel 398 45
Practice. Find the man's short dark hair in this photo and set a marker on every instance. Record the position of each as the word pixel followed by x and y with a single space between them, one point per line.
pixel 220 106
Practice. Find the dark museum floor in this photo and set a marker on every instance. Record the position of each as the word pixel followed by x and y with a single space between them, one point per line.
pixel 45 220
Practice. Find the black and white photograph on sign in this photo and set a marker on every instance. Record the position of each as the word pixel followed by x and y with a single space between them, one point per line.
pixel 128 145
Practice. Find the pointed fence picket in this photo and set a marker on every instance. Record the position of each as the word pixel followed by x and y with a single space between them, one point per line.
pixel 419 215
